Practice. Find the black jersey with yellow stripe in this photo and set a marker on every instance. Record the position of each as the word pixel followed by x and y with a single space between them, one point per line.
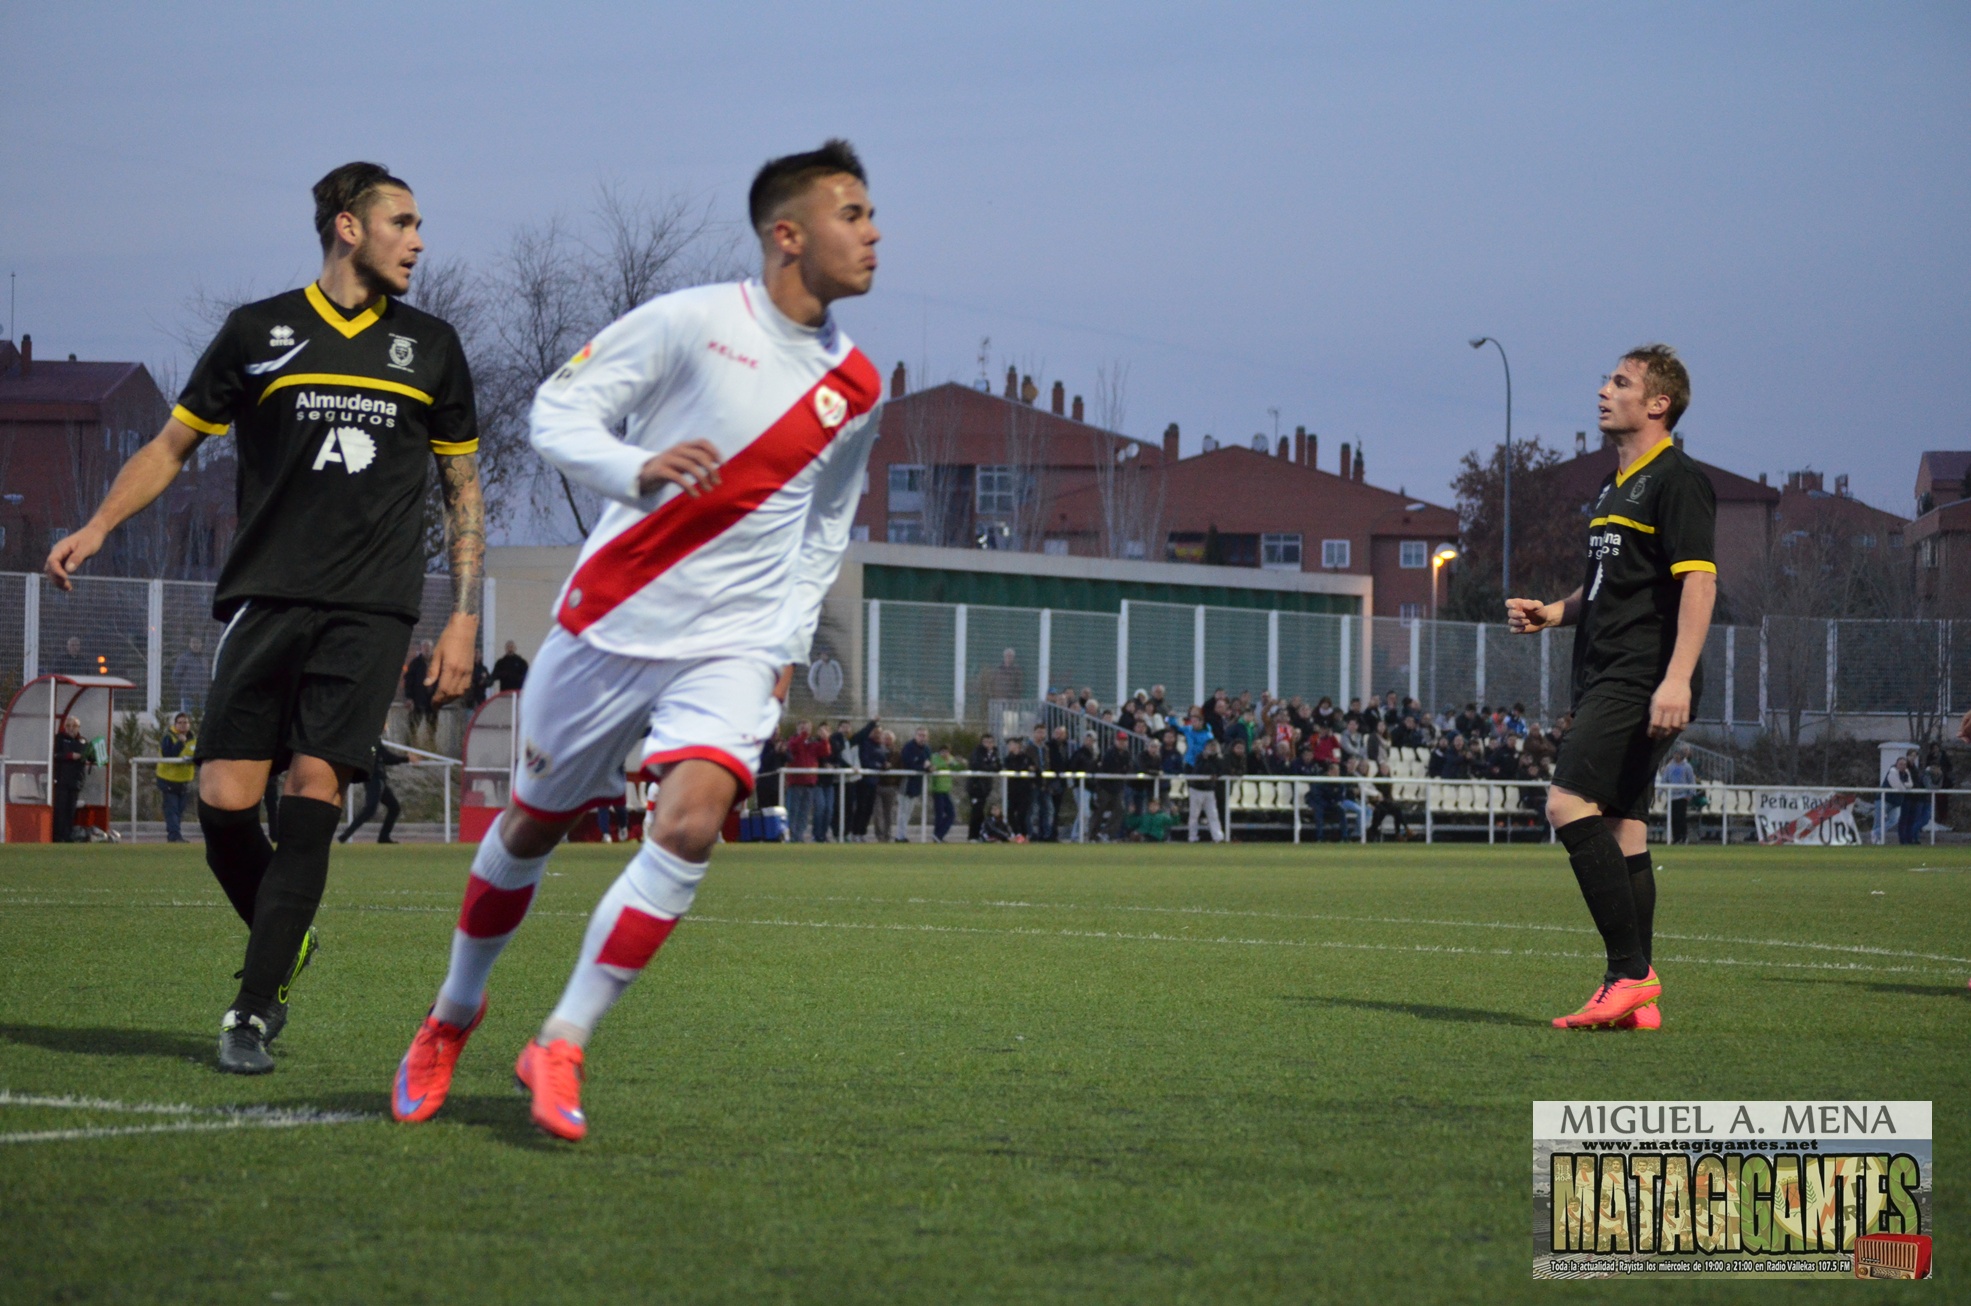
pixel 1651 524
pixel 335 417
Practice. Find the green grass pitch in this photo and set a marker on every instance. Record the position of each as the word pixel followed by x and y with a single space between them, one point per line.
pixel 958 1074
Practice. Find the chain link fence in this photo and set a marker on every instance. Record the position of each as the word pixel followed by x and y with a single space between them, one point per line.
pixel 1871 678
pixel 946 662
pixel 157 634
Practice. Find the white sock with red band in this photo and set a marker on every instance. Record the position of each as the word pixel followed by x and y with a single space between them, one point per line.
pixel 630 924
pixel 497 897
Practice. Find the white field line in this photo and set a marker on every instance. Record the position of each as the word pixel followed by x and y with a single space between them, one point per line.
pixel 1862 950
pixel 188 1119
pixel 1853 949
pixel 1227 940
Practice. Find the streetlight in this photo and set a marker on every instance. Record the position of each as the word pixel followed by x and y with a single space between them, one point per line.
pixel 1443 554
pixel 1505 547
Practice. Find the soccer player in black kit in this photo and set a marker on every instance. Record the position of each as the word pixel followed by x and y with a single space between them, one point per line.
pixel 1642 613
pixel 339 396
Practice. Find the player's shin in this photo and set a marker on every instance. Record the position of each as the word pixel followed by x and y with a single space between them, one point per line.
pixel 630 924
pixel 289 895
pixel 1603 874
pixel 237 850
pixel 1642 888
pixel 497 896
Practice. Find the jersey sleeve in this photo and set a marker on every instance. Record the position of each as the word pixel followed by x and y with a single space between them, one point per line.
pixel 454 422
pixel 1688 518
pixel 577 409
pixel 825 537
pixel 212 395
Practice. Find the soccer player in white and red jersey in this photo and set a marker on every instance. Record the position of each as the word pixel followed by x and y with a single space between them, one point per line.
pixel 749 421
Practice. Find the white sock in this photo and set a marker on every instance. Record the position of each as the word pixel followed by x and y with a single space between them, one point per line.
pixel 496 901
pixel 629 925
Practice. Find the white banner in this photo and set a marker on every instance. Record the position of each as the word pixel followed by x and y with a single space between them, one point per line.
pixel 1807 816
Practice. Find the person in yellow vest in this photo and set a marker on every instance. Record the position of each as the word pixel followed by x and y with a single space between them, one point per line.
pixel 173 776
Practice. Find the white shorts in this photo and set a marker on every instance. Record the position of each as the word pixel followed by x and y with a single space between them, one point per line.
pixel 587 716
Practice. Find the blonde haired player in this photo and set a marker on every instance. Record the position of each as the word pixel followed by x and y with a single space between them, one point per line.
pixel 748 430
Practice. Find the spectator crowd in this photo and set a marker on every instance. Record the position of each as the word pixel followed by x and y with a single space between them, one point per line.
pixel 1135 752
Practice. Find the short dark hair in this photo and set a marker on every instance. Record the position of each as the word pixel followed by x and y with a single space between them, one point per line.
pixel 351 188
pixel 1663 374
pixel 785 178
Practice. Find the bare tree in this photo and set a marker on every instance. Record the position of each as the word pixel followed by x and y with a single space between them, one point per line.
pixel 930 433
pixel 541 317
pixel 643 248
pixel 1131 494
pixel 1026 452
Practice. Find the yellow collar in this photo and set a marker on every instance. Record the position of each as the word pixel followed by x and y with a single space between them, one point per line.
pixel 1624 473
pixel 350 327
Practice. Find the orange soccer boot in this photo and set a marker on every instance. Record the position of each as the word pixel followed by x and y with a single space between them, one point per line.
pixel 553 1074
pixel 1646 1017
pixel 1612 1000
pixel 424 1076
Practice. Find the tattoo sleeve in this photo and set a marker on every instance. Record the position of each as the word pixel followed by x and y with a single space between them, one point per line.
pixel 465 528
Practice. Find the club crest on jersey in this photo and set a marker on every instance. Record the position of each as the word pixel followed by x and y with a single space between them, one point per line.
pixel 280 337
pixel 830 407
pixel 348 446
pixel 1636 488
pixel 401 348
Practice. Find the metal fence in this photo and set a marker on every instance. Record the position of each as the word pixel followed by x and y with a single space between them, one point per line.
pixel 1406 804
pixel 158 634
pixel 947 662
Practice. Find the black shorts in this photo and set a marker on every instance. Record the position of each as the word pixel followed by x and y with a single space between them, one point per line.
pixel 295 678
pixel 1608 757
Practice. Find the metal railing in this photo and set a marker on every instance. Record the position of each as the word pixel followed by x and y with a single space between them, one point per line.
pixel 1491 805
pixel 424 760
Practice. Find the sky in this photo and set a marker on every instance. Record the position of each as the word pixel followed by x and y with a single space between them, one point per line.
pixel 1302 208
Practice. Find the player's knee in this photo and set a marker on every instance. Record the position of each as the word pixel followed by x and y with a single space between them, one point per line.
pixel 526 835
pixel 232 784
pixel 312 777
pixel 686 831
pixel 1564 808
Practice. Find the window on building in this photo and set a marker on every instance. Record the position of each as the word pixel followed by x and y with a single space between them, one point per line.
pixel 906 487
pixel 859 534
pixel 1865 541
pixel 1413 554
pixel 1334 553
pixel 906 529
pixel 997 495
pixel 1410 611
pixel 1134 549
pixel 1280 552
pixel 1058 548
pixel 1926 553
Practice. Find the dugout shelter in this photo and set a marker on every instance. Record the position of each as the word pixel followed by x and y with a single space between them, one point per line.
pixel 27 753
pixel 492 750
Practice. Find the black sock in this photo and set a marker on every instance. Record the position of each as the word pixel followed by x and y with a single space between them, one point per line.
pixel 289 895
pixel 1642 887
pixel 237 851
pixel 1603 874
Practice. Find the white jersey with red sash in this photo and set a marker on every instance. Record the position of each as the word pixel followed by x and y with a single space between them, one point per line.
pixel 742 568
